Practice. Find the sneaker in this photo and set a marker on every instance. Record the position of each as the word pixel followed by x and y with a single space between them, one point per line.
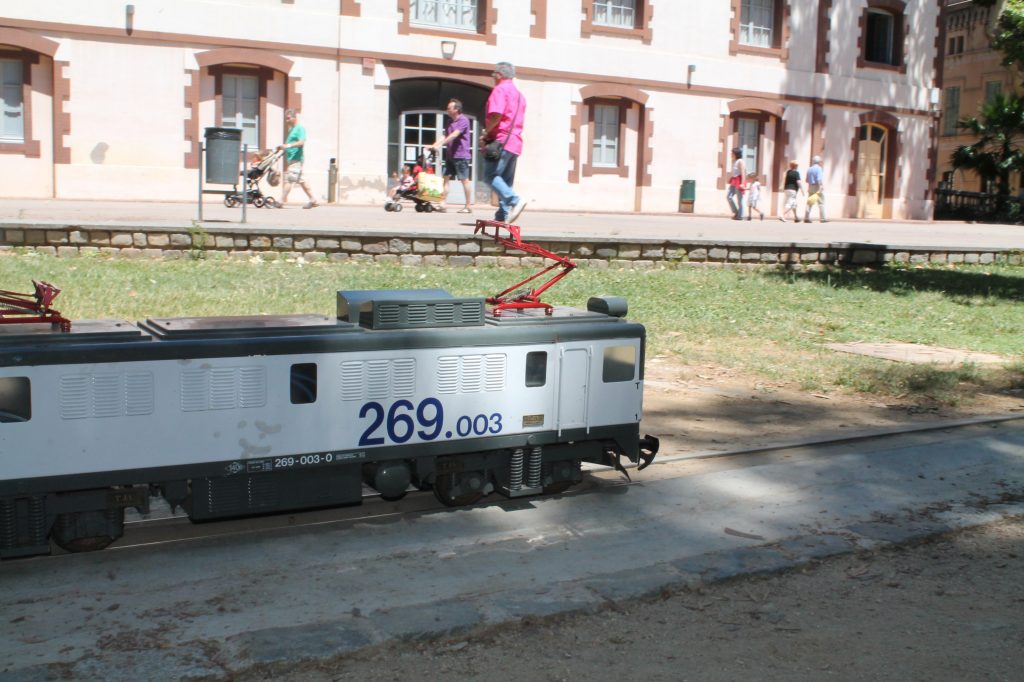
pixel 783 219
pixel 311 204
pixel 824 220
pixel 516 211
pixel 464 210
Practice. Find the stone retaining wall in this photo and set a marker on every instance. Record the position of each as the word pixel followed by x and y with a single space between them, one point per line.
pixel 460 251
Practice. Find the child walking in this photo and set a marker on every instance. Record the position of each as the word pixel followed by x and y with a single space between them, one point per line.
pixel 753 196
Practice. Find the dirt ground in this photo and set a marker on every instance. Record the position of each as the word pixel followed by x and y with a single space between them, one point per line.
pixel 948 609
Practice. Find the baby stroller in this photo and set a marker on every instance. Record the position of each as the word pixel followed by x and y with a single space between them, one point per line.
pixel 263 167
pixel 427 189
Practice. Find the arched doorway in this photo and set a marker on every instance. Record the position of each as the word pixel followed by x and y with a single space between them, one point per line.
pixel 872 161
pixel 417 119
pixel 758 127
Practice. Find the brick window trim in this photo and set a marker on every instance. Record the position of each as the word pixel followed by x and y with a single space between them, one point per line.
pixel 898 9
pixel 350 8
pixel 751 107
pixel 487 17
pixel 780 50
pixel 233 60
pixel 620 168
pixel 263 75
pixel 642 30
pixel 28 147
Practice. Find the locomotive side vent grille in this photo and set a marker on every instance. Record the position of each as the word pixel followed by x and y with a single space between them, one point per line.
pixel 86 396
pixel 378 379
pixel 471 373
pixel 223 388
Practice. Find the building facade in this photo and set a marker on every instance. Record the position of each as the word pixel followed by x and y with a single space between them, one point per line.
pixel 626 98
pixel 972 74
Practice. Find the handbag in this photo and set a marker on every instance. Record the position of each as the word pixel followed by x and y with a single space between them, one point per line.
pixel 494 148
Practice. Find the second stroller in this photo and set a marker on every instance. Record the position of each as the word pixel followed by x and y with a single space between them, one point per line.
pixel 262 166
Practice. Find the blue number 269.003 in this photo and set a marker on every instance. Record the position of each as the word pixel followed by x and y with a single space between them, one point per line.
pixel 399 424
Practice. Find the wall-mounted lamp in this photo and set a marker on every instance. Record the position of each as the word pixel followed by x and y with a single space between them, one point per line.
pixel 448 49
pixel 689 74
pixel 129 18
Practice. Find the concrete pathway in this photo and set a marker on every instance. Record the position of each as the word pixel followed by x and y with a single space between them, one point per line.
pixel 536 225
pixel 210 607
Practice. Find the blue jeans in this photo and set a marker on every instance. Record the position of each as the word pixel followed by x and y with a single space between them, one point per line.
pixel 500 175
pixel 737 204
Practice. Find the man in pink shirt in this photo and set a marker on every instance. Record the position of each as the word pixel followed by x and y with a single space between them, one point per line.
pixel 506 111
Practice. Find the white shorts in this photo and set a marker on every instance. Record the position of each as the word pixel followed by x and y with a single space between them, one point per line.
pixel 790 198
pixel 294 173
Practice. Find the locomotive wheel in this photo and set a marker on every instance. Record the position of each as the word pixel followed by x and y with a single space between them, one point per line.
pixel 459 489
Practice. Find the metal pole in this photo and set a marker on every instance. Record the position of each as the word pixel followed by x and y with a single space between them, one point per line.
pixel 245 179
pixel 200 182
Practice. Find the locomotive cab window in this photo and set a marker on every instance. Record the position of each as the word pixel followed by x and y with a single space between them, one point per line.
pixel 15 399
pixel 619 364
pixel 303 383
pixel 536 368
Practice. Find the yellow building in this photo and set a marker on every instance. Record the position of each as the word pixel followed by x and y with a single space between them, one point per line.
pixel 972 74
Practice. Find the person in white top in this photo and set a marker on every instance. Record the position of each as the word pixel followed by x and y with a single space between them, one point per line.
pixel 753 196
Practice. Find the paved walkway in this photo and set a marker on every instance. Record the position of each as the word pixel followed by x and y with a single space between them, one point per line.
pixel 536 225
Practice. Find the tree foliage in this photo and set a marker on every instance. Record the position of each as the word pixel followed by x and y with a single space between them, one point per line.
pixel 999 147
pixel 1008 31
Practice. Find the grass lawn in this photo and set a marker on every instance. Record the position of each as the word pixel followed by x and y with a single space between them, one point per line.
pixel 766 322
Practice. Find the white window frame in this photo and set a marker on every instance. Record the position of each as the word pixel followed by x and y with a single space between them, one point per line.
pixel 890 39
pixel 615 13
pixel 757 23
pixel 454 15
pixel 605 151
pixel 233 113
pixel 747 138
pixel 12 100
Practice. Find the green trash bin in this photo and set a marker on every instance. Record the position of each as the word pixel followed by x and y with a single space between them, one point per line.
pixel 687 195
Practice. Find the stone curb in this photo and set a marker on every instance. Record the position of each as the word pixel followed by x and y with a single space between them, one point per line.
pixel 457 249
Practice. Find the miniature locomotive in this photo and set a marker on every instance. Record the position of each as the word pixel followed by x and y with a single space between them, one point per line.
pixel 231 416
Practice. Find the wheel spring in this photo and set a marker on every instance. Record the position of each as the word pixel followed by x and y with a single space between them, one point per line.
pixel 515 470
pixel 8 525
pixel 533 476
pixel 37 521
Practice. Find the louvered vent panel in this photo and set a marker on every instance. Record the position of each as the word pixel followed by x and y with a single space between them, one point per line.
pixel 107 395
pixel 389 314
pixel 416 315
pixel 252 386
pixel 378 379
pixel 353 381
pixel 139 393
pixel 471 378
pixel 74 397
pixel 223 388
pixel 444 313
pixel 195 392
pixel 403 378
pixel 494 372
pixel 448 374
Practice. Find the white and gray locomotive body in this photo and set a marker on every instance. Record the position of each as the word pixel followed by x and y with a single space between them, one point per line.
pixel 230 416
